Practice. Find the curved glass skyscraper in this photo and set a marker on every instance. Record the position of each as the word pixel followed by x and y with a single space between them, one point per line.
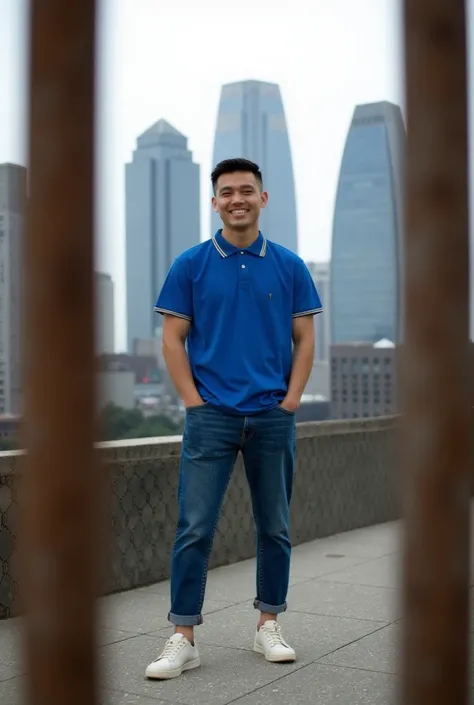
pixel 366 262
pixel 251 124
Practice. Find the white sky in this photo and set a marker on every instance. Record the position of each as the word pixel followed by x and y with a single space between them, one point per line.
pixel 169 59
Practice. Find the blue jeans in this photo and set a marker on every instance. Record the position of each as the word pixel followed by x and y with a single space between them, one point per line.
pixel 211 442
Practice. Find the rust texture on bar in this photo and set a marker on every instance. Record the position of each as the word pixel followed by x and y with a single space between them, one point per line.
pixel 436 464
pixel 60 491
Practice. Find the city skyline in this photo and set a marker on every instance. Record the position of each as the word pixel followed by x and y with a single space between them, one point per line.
pixel 367 245
pixel 336 55
pixel 251 123
pixel 161 177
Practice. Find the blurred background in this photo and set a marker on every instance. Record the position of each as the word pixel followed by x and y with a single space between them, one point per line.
pixel 313 95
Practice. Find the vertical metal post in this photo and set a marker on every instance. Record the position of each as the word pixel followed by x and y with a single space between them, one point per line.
pixel 61 481
pixel 436 391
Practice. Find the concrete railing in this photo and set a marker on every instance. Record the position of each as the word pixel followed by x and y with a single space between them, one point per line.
pixel 345 479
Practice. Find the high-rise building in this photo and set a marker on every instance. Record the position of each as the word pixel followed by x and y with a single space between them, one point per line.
pixel 366 263
pixel 322 323
pixel 363 380
pixel 318 383
pixel 105 310
pixel 162 219
pixel 13 195
pixel 251 124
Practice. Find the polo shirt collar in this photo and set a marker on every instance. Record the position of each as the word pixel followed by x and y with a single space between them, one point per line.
pixel 225 249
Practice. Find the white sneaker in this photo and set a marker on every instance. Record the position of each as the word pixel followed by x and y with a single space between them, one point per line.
pixel 270 642
pixel 178 655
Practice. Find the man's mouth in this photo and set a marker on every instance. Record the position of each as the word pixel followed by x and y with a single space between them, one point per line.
pixel 239 211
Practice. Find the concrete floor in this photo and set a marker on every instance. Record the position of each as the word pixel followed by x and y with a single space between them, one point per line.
pixel 343 621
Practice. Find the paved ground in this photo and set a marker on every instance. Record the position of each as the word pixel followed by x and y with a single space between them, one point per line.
pixel 343 620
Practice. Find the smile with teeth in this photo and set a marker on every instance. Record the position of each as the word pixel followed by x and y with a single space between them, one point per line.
pixel 239 211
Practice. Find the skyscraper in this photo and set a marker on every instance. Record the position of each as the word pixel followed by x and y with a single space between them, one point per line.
pixel 104 312
pixel 318 383
pixel 13 193
pixel 251 124
pixel 320 274
pixel 162 219
pixel 366 264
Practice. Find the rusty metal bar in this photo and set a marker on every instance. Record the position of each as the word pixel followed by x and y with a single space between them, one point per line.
pixel 436 391
pixel 61 478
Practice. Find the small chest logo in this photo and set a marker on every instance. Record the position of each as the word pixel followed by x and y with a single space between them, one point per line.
pixel 270 296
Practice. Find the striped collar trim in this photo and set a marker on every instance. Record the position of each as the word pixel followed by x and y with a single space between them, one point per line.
pixel 224 254
pixel 218 247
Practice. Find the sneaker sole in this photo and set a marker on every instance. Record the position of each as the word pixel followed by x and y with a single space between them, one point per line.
pixel 168 675
pixel 273 659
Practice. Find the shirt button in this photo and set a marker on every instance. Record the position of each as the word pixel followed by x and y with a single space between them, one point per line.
pixel 241 253
pixel 243 266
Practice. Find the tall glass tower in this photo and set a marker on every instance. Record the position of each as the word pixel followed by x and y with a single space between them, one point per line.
pixel 251 124
pixel 162 219
pixel 366 262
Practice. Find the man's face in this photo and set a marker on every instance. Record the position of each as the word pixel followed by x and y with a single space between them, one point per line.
pixel 239 199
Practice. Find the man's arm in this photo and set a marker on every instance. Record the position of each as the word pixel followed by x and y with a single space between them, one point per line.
pixel 175 331
pixel 303 357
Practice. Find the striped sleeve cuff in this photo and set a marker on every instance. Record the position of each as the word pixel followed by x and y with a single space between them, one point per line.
pixel 311 312
pixel 172 313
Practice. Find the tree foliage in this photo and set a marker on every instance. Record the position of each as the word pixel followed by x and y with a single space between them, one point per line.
pixel 117 423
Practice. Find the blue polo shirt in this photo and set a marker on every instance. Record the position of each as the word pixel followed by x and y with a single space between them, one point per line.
pixel 241 305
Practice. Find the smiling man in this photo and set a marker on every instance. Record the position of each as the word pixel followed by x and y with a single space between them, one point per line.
pixel 245 306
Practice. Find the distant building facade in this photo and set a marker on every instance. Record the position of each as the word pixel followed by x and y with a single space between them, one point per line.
pixel 162 220
pixel 116 387
pixel 366 263
pixel 322 324
pixel 13 196
pixel 144 367
pixel 318 383
pixel 363 380
pixel 251 124
pixel 104 312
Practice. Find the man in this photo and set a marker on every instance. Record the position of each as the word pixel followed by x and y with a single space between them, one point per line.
pixel 245 306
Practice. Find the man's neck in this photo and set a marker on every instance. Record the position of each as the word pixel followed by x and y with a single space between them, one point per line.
pixel 241 238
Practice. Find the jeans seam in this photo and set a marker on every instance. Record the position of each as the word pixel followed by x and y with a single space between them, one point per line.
pixel 206 563
pixel 244 430
pixel 260 559
pixel 260 572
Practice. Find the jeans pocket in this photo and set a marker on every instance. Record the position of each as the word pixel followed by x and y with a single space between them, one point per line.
pixel 196 407
pixel 286 411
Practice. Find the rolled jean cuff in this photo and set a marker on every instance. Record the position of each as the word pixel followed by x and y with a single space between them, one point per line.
pixel 269 609
pixel 185 621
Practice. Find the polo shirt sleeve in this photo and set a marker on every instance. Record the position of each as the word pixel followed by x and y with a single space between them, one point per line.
pixel 176 296
pixel 306 301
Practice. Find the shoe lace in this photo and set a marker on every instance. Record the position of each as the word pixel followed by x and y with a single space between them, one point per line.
pixel 274 635
pixel 172 649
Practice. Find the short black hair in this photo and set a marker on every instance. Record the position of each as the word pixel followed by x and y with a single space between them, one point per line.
pixel 230 166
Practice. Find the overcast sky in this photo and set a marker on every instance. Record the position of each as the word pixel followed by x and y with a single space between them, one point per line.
pixel 169 59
